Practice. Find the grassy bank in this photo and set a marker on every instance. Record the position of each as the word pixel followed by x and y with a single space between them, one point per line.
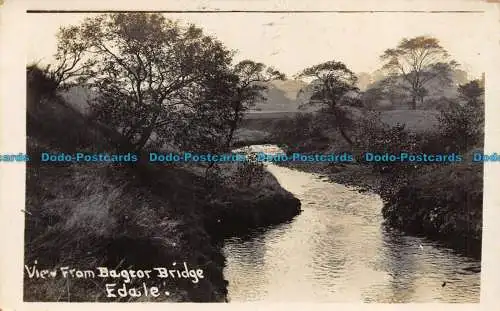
pixel 444 203
pixel 441 201
pixel 129 216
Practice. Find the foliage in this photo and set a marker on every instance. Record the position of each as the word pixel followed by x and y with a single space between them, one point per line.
pixel 249 172
pixel 304 131
pixel 462 126
pixel 249 83
pixel 158 82
pixel 471 92
pixel 39 82
pixel 146 70
pixel 334 85
pixel 443 202
pixel 375 136
pixel 418 61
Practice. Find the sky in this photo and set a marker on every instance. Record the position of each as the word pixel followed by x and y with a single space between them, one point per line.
pixel 291 42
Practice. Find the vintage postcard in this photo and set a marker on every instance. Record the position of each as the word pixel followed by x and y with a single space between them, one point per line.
pixel 270 154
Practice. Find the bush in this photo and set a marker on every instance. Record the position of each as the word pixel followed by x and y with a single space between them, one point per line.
pixel 463 127
pixel 247 173
pixel 40 82
pixel 376 137
pixel 443 202
pixel 305 132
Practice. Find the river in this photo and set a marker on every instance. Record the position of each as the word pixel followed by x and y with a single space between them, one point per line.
pixel 337 250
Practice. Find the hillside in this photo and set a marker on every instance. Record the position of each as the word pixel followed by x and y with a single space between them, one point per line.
pixel 281 96
pixel 130 215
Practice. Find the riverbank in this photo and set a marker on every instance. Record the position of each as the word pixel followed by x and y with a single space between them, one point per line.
pixel 340 253
pixel 442 203
pixel 359 176
pixel 125 216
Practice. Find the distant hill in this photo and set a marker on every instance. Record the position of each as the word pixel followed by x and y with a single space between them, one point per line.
pixel 364 80
pixel 281 96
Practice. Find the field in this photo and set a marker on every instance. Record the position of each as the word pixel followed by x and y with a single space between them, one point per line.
pixel 415 120
pixel 252 115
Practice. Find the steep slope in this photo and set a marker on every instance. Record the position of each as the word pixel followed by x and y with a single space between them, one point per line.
pixel 129 216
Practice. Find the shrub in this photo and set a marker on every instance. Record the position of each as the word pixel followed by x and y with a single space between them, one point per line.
pixel 303 132
pixel 463 127
pixel 248 172
pixel 443 201
pixel 376 137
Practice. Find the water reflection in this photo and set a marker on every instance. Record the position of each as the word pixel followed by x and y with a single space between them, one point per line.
pixel 337 251
pixel 400 266
pixel 249 257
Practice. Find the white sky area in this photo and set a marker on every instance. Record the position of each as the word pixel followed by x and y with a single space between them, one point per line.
pixel 294 41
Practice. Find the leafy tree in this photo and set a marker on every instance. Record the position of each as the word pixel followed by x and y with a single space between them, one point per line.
pixel 236 91
pixel 229 96
pixel 418 61
pixel 332 84
pixel 69 59
pixel 462 127
pixel 145 70
pixel 249 84
pixel 471 92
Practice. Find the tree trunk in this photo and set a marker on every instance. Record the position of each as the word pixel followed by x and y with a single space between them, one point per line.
pixel 234 123
pixel 344 135
pixel 339 120
pixel 413 103
pixel 147 133
pixel 231 134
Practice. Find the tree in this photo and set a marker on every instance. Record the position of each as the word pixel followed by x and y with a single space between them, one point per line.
pixel 236 91
pixel 462 126
pixel 145 70
pixel 249 84
pixel 471 92
pixel 229 96
pixel 332 84
pixel 202 126
pixel 69 66
pixel 418 61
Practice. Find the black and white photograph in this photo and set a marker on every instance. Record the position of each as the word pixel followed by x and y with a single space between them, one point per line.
pixel 274 155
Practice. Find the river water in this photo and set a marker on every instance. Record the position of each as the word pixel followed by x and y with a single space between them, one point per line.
pixel 337 250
